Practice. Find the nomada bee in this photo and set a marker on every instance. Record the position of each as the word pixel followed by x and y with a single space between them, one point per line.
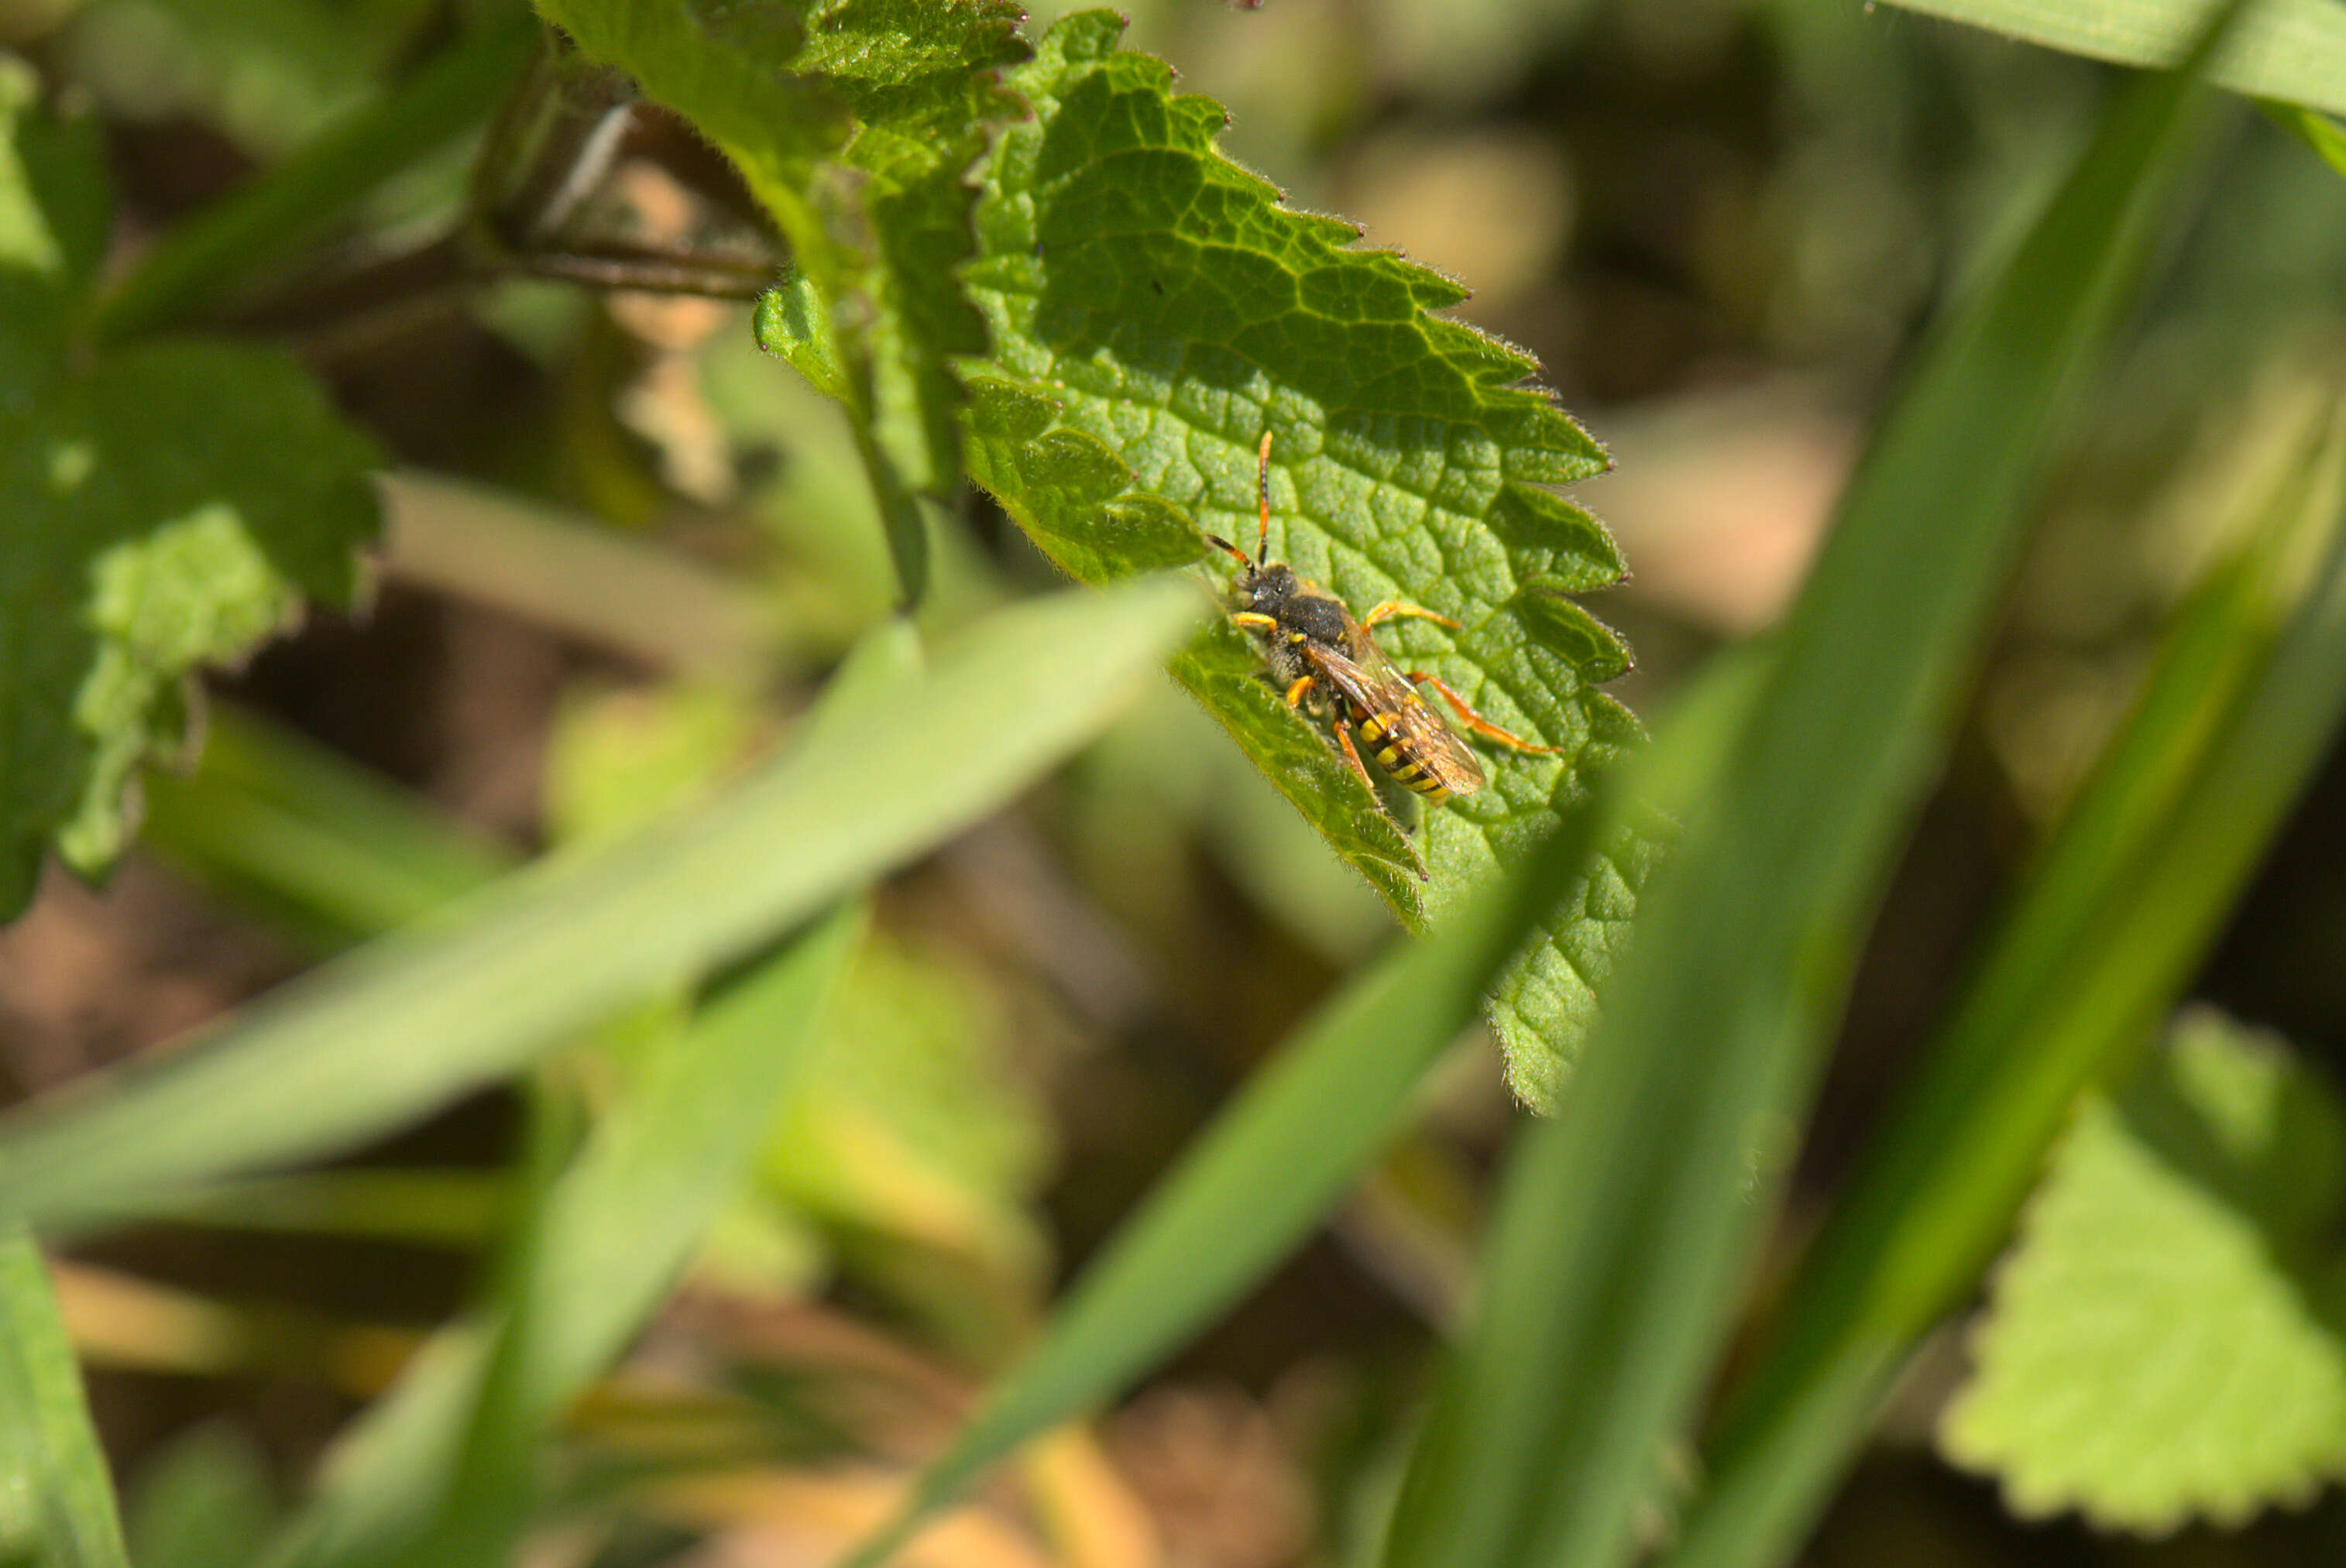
pixel 1331 668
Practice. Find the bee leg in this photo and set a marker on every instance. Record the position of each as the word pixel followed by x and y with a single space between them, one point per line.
pixel 1303 684
pixel 1393 607
pixel 1475 721
pixel 1254 621
pixel 1352 756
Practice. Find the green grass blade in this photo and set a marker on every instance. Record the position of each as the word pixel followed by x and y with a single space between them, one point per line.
pixel 338 853
pixel 2105 935
pixel 56 1504
pixel 2319 133
pixel 382 1035
pixel 195 266
pixel 454 1208
pixel 2294 50
pixel 1269 1168
pixel 1624 1221
pixel 624 1217
pixel 615 1228
pixel 375 1489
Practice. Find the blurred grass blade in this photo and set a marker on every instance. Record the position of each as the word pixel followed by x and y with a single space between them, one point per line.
pixel 56 1503
pixel 199 264
pixel 1625 1221
pixel 615 1228
pixel 2319 132
pixel 338 853
pixel 625 1218
pixel 2294 50
pixel 375 1489
pixel 382 1035
pixel 583 578
pixel 453 1209
pixel 2128 897
pixel 1272 1167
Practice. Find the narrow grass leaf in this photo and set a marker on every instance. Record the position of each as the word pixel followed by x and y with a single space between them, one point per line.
pixel 338 853
pixel 1272 1166
pixel 2103 936
pixel 202 262
pixel 378 1484
pixel 56 1503
pixel 1624 1221
pixel 623 1220
pixel 2294 50
pixel 380 1036
pixel 440 1470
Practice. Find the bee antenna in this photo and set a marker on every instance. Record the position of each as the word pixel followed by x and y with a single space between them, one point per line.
pixel 1227 548
pixel 1262 485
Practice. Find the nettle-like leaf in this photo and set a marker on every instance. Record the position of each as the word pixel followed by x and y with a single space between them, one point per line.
pixel 2164 1344
pixel 854 123
pixel 1154 311
pixel 160 509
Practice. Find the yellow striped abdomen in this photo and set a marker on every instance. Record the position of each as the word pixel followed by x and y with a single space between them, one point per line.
pixel 1411 743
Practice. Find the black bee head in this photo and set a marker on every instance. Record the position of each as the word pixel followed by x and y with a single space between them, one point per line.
pixel 1266 589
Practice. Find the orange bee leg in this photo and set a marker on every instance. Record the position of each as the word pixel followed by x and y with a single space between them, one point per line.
pixel 1393 607
pixel 1353 755
pixel 1475 721
pixel 1254 621
pixel 1303 684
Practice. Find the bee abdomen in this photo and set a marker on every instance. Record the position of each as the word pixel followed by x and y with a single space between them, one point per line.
pixel 1388 740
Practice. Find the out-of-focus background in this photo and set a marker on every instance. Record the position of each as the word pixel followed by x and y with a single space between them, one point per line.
pixel 626 546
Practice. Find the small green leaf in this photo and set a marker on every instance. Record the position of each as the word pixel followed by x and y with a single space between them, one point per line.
pixel 2164 1344
pixel 1155 312
pixel 794 324
pixel 169 510
pixel 56 1504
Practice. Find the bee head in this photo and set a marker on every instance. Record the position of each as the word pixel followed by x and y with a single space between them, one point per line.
pixel 1262 585
pixel 1266 588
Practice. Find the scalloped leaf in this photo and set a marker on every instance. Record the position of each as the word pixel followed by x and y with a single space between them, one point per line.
pixel 1154 310
pixel 2164 1344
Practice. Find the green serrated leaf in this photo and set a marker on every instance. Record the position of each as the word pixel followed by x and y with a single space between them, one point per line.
pixel 2165 1343
pixel 167 511
pixel 1153 307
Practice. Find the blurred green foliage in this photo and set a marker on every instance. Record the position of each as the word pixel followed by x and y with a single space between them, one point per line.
pixel 717 1227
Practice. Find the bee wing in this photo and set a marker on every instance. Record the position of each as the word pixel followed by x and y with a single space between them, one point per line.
pixel 1374 685
pixel 1381 690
